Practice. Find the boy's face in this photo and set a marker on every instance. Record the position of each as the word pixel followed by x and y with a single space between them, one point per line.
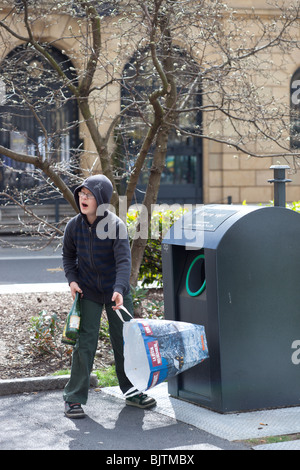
pixel 88 204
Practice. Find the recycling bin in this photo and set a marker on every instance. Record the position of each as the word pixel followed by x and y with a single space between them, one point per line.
pixel 236 271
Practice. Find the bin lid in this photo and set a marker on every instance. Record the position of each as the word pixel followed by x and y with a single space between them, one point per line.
pixel 205 225
pixel 208 218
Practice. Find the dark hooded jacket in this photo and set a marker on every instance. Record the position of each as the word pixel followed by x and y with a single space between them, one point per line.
pixel 97 256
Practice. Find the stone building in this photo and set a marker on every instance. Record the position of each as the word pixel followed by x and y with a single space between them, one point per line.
pixel 220 171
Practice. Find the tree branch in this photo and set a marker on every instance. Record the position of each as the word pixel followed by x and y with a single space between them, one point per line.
pixel 46 167
pixel 32 214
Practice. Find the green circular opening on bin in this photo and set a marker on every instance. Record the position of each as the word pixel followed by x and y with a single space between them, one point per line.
pixel 198 292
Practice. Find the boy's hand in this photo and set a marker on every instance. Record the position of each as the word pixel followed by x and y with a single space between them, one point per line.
pixel 118 298
pixel 75 288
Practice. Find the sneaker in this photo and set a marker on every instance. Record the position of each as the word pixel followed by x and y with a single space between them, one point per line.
pixel 141 401
pixel 74 410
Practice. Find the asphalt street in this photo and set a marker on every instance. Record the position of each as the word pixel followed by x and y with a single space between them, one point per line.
pixel 19 265
pixel 35 421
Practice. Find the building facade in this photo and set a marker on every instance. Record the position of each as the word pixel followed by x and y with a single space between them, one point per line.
pixel 197 170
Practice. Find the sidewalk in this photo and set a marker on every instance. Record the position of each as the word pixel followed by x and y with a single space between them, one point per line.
pixel 31 417
pixel 35 421
pixel 28 288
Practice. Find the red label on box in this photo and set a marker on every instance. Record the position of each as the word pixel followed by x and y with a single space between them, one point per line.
pixel 155 379
pixel 154 353
pixel 147 329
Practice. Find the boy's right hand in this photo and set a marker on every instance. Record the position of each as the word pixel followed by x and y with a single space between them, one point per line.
pixel 75 288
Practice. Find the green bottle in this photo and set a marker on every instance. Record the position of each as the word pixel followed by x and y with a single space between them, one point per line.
pixel 66 340
pixel 72 326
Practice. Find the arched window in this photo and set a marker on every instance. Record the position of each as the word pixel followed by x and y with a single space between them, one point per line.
pixel 181 179
pixel 295 111
pixel 38 114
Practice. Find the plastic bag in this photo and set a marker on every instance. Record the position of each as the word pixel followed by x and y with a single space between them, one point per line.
pixel 155 350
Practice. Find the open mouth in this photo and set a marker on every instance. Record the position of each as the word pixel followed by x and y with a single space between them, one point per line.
pixel 84 205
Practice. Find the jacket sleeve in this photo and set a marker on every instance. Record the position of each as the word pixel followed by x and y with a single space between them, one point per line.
pixel 122 256
pixel 69 254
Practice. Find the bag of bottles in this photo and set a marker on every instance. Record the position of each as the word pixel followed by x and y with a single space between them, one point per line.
pixel 72 325
pixel 155 350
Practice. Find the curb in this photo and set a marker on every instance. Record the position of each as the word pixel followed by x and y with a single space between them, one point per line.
pixel 38 384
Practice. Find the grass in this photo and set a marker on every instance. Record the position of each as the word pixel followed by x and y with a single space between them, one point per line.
pixel 272 439
pixel 62 372
pixel 106 377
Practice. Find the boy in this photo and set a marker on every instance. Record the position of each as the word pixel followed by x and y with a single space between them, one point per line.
pixel 98 267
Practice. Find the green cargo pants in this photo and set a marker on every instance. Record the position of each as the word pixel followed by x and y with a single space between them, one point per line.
pixel 76 390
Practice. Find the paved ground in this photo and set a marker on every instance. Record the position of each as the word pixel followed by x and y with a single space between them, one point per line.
pixel 35 421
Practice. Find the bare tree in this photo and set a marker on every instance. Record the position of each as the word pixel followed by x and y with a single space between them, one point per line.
pixel 184 59
pixel 204 62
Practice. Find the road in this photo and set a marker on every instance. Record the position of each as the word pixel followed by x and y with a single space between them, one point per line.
pixel 18 265
pixel 35 421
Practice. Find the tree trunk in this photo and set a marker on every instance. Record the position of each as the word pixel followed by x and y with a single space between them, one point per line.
pixel 101 147
pixel 139 244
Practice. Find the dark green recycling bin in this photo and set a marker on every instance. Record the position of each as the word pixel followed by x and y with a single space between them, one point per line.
pixel 236 270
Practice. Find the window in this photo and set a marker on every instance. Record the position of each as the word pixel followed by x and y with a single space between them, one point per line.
pixel 183 154
pixel 180 169
pixel 295 111
pixel 38 115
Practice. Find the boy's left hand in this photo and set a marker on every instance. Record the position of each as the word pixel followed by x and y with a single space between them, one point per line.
pixel 118 299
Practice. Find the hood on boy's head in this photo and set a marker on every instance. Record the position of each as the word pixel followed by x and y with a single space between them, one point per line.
pixel 99 185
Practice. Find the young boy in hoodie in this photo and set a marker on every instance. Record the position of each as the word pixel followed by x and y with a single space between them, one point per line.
pixel 97 264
